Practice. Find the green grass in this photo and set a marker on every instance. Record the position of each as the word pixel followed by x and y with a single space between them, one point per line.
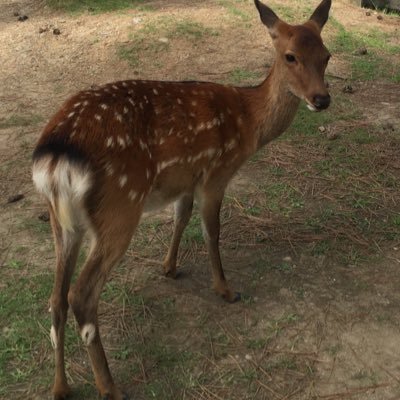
pixel 18 120
pixel 373 65
pixel 233 8
pixel 96 6
pixel 24 324
pixel 146 43
pixel 240 76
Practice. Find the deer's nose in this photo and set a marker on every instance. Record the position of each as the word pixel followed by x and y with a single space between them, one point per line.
pixel 321 102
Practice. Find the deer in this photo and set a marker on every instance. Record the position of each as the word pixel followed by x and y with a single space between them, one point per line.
pixel 116 151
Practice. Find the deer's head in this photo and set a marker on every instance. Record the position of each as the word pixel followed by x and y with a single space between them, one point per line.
pixel 301 55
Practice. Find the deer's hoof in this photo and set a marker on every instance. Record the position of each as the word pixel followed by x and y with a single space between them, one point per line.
pixel 174 274
pixel 232 297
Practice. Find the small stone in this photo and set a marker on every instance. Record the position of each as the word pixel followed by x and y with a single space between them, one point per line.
pixel 348 89
pixel 322 129
pixel 248 357
pixel 137 20
pixel 395 248
pixel 368 14
pixel 44 216
pixel 41 30
pixel 16 14
pixel 56 31
pixel 288 258
pixel 14 198
pixel 22 18
pixel 380 17
pixel 163 40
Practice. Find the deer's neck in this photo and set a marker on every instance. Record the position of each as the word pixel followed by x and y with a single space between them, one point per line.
pixel 271 108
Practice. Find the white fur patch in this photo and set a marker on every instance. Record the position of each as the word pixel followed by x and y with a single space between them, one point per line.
pixel 88 333
pixel 311 107
pixel 53 337
pixel 72 183
pixel 122 180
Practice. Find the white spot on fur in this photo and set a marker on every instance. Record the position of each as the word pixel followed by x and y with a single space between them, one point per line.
pixel 179 101
pixel 239 121
pixel 131 101
pixel 121 142
pixel 147 173
pixel 85 103
pixel 77 105
pixel 155 91
pixel 126 110
pixel 194 103
pixel 166 164
pixel 109 169
pixel 200 127
pixel 104 106
pixel 124 84
pixel 88 333
pixel 142 145
pixel 230 145
pixel 114 87
pixel 118 117
pixel 132 195
pixel 53 337
pixel 110 142
pixel 98 117
pixel 122 180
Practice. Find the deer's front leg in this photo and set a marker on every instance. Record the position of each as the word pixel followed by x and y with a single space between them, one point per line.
pixel 183 211
pixel 210 205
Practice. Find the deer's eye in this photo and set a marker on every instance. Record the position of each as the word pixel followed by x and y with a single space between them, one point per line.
pixel 290 58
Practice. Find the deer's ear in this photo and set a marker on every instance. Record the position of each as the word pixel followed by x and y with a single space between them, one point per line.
pixel 321 13
pixel 268 17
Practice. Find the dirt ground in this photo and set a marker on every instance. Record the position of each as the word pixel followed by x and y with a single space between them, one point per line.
pixel 309 326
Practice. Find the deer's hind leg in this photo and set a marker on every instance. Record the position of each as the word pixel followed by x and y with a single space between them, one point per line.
pixel 183 211
pixel 67 246
pixel 111 236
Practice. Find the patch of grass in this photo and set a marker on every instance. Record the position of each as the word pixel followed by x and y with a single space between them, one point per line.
pixel 36 226
pixel 157 36
pixel 373 65
pixel 23 310
pixel 18 120
pixel 15 264
pixel 233 9
pixel 95 6
pixel 281 197
pixel 190 29
pixel 193 232
pixel 362 136
pixel 240 76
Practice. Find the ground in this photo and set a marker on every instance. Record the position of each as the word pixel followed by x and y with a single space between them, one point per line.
pixel 310 226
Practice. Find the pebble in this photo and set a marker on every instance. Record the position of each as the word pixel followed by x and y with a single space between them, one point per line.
pixel 56 31
pixel 380 17
pixel 22 18
pixel 322 129
pixel 44 216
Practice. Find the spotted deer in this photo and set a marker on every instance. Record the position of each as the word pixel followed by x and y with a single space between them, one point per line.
pixel 111 153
